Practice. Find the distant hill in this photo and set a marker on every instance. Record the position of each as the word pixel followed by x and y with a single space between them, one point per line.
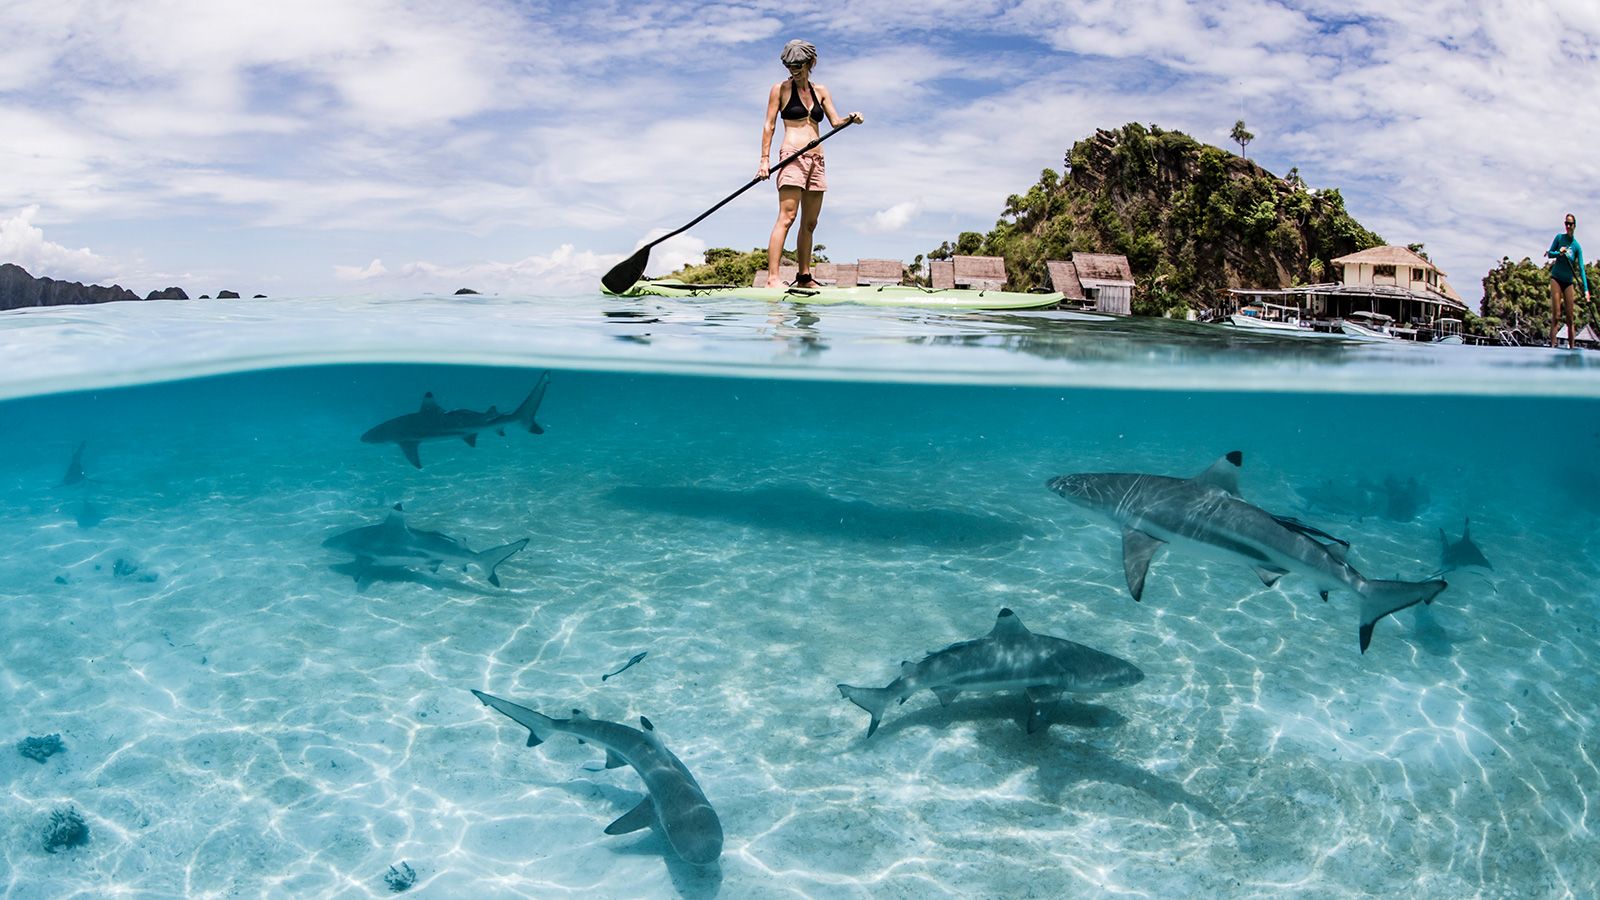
pixel 1192 219
pixel 19 289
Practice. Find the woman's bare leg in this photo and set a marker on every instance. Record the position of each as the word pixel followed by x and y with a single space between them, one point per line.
pixel 788 208
pixel 810 210
pixel 1570 295
pixel 1555 310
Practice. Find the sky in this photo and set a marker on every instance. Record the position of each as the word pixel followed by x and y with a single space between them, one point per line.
pixel 341 147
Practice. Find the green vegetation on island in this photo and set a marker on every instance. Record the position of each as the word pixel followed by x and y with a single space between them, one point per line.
pixel 1193 220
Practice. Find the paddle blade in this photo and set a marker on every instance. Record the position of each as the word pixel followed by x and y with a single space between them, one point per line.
pixel 627 273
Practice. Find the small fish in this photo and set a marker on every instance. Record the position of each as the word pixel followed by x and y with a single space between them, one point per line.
pixel 630 664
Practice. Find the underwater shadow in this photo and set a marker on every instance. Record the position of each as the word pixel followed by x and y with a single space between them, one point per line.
pixel 402 575
pixel 805 511
pixel 1061 763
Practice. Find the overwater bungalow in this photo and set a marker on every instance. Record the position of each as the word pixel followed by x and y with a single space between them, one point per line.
pixel 976 273
pixel 1102 282
pixel 1388 281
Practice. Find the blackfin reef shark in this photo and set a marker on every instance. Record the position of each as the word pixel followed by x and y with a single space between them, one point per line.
pixel 1205 515
pixel 75 473
pixel 434 423
pixel 1008 658
pixel 673 799
pixel 392 543
pixel 1461 554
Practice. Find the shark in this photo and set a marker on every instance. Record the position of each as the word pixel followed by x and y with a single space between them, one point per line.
pixel 433 422
pixel 1206 515
pixel 75 473
pixel 673 799
pixel 1008 658
pixel 393 543
pixel 1462 554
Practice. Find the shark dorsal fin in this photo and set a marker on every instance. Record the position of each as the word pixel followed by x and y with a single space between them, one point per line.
pixel 646 723
pixel 492 411
pixel 578 714
pixel 1224 473
pixel 396 520
pixel 1466 529
pixel 430 405
pixel 1008 624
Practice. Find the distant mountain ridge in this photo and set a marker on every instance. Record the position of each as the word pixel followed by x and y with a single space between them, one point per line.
pixel 1193 220
pixel 18 289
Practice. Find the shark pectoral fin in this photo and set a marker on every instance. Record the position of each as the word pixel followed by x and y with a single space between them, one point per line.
pixel 634 819
pixel 533 739
pixel 471 439
pixel 434 567
pixel 1040 702
pixel 409 448
pixel 1224 473
pixel 614 761
pixel 1269 575
pixel 1137 549
pixel 945 695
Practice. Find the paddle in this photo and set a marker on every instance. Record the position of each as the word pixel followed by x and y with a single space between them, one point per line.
pixel 628 272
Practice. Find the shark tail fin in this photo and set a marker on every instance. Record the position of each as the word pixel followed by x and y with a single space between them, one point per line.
pixel 1381 598
pixel 540 727
pixel 873 700
pixel 491 559
pixel 530 406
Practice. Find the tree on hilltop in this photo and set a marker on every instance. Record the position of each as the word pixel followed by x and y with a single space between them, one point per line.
pixel 1241 137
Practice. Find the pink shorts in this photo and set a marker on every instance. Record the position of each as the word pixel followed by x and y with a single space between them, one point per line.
pixel 808 173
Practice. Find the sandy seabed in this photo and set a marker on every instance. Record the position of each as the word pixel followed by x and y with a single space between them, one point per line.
pixel 248 722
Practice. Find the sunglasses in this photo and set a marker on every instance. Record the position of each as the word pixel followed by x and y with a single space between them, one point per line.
pixel 794 67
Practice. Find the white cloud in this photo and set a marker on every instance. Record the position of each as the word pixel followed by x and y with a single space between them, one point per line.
pixel 565 270
pixel 24 243
pixel 894 218
pixel 371 270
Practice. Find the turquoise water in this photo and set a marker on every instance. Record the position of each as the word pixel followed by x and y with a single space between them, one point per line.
pixel 769 501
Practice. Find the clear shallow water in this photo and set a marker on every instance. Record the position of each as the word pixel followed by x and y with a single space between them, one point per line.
pixel 770 506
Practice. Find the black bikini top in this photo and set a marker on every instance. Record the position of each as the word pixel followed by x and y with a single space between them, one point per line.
pixel 794 109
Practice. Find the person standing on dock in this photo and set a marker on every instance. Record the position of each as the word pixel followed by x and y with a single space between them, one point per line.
pixel 802 103
pixel 1566 273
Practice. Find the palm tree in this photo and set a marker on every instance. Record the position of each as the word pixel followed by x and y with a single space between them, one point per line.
pixel 1241 136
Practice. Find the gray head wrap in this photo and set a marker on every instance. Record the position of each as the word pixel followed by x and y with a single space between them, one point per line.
pixel 798 51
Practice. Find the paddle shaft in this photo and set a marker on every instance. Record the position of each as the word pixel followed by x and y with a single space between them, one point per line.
pixel 753 182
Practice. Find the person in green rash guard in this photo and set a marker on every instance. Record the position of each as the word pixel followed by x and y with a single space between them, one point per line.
pixel 1565 275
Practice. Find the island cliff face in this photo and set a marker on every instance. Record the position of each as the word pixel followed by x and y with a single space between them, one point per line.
pixel 19 289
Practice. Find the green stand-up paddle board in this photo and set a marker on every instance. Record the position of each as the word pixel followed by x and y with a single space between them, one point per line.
pixel 865 295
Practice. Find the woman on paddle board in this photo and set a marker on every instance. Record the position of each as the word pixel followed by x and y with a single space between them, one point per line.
pixel 1565 274
pixel 801 104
